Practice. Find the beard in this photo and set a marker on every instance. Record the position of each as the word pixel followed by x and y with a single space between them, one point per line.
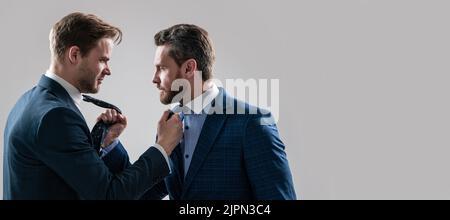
pixel 88 80
pixel 167 96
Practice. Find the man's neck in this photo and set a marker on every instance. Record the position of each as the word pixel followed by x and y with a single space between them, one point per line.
pixel 58 70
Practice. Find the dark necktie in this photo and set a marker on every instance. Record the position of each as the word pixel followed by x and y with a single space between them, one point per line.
pixel 100 129
pixel 100 103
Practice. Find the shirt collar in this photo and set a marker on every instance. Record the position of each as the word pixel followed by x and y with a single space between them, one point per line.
pixel 200 103
pixel 73 92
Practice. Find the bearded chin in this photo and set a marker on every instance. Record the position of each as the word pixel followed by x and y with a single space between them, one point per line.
pixel 87 81
pixel 87 86
pixel 167 97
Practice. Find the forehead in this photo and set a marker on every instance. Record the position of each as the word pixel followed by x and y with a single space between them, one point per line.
pixel 103 47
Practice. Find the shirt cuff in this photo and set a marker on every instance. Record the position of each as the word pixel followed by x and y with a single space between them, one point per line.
pixel 109 148
pixel 163 152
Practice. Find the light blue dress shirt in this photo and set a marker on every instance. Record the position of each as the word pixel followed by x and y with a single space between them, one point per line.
pixel 193 115
pixel 193 124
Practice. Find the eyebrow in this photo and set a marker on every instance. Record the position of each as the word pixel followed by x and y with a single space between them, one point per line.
pixel 104 58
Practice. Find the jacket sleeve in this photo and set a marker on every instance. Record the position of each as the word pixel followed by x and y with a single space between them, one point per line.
pixel 63 145
pixel 266 162
pixel 117 160
pixel 157 192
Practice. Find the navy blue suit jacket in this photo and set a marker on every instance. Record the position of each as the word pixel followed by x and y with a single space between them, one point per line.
pixel 237 157
pixel 48 154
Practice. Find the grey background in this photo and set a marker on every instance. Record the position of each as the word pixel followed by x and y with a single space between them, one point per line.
pixel 364 94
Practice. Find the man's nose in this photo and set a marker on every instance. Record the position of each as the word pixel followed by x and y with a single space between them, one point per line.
pixel 156 78
pixel 107 71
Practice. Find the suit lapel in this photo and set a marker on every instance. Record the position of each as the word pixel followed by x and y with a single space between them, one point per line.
pixel 175 180
pixel 211 129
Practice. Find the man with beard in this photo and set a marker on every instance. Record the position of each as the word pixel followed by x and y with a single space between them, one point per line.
pixel 48 150
pixel 224 154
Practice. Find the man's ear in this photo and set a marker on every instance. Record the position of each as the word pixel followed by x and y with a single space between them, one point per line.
pixel 74 54
pixel 189 67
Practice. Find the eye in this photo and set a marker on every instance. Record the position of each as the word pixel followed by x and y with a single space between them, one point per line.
pixel 104 60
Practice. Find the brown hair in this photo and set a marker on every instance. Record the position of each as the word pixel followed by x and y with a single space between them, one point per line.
pixel 82 30
pixel 188 41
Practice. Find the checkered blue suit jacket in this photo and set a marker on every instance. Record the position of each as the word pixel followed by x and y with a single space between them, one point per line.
pixel 237 157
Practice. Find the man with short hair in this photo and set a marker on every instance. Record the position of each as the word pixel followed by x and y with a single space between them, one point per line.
pixel 221 156
pixel 48 150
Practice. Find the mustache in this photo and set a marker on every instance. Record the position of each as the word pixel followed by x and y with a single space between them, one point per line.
pixel 160 88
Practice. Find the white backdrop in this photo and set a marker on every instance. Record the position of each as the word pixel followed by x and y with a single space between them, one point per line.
pixel 364 94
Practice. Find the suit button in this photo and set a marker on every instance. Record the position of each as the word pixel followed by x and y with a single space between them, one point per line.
pixel 186 156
